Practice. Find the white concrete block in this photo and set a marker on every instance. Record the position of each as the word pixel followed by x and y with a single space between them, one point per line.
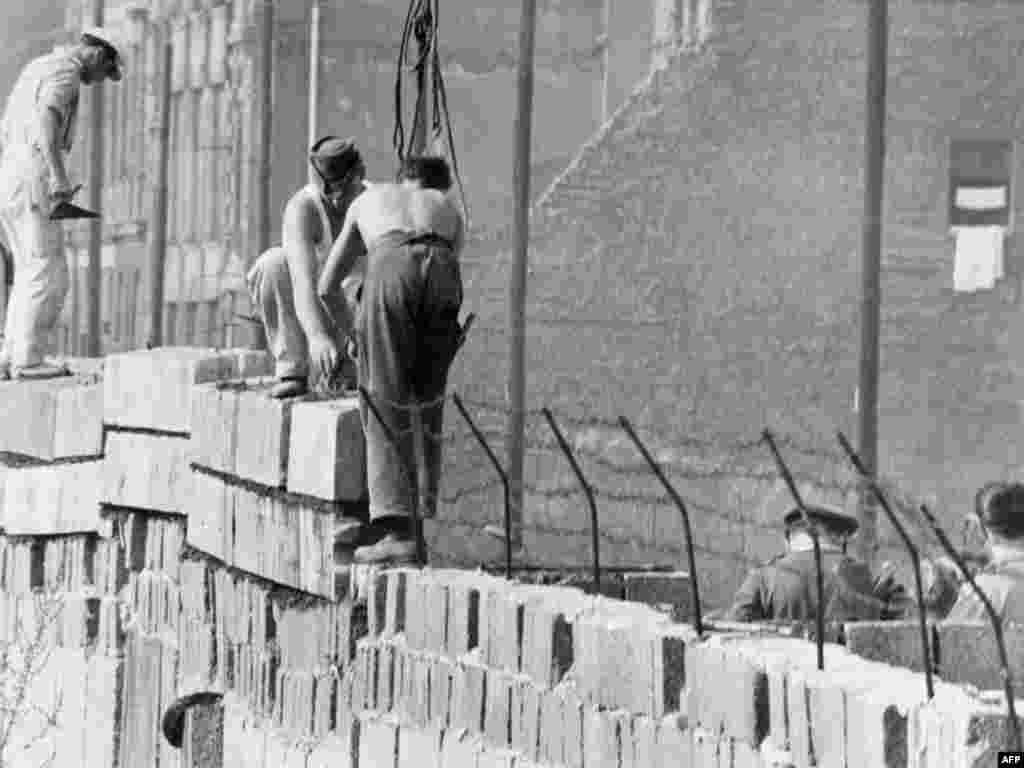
pixel 55 419
pixel 152 389
pixel 264 431
pixel 326 454
pixel 210 514
pixel 214 426
pixel 52 499
pixel 147 472
pixel 219 25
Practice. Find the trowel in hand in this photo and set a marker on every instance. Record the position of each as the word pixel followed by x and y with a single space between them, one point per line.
pixel 66 210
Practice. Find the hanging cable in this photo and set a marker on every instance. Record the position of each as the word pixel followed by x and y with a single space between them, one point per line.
pixel 421 23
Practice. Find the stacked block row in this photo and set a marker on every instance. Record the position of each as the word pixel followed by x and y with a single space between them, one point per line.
pixel 961 652
pixel 51 448
pixel 270 479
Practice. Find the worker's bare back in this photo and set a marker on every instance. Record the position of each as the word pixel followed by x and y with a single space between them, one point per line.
pixel 388 207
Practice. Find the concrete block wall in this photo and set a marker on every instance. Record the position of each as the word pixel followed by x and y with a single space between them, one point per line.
pixel 404 667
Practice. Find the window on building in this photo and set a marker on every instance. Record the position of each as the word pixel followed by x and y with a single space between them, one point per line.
pixel 980 183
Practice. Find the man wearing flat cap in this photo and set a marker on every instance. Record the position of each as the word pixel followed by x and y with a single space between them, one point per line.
pixel 785 589
pixel 1002 579
pixel 301 327
pixel 37 132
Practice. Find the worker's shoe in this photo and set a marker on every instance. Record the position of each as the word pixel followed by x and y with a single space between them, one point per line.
pixel 394 548
pixel 41 371
pixel 291 386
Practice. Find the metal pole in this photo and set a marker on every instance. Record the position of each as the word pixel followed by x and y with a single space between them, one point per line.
pixel 94 271
pixel 517 287
pixel 314 78
pixel 266 141
pixel 871 300
pixel 158 242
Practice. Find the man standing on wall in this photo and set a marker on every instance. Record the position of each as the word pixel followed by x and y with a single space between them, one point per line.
pixel 300 325
pixel 407 333
pixel 36 132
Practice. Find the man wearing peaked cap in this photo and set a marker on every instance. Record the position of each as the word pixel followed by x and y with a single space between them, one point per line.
pixel 283 281
pixel 37 132
pixel 1002 579
pixel 785 588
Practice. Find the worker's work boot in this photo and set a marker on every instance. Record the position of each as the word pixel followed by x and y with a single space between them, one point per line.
pixel 41 371
pixel 394 548
pixel 290 386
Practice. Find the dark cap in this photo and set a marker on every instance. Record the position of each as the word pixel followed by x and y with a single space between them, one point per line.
pixel 334 158
pixel 1004 511
pixel 834 520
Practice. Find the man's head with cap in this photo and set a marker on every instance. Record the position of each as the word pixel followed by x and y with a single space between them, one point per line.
pixel 1003 513
pixel 339 167
pixel 834 526
pixel 102 56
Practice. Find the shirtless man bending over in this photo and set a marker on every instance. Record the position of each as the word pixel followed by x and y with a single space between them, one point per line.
pixel 406 332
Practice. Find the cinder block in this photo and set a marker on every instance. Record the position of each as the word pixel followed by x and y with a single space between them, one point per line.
pixel 891 642
pixel 285 751
pixel 50 420
pixel 326 455
pixel 469 696
pixel 386 677
pixel 152 389
pixel 378 741
pixel 670 592
pixel 826 703
pixel 210 515
pixel 395 602
pixel 419 747
pixel 460 749
pixel 213 442
pixel 52 499
pixel 669 652
pixel 645 750
pixel 526 719
pixel 203 742
pixel 284 541
pixel 441 683
pixel 147 472
pixel 876 718
pixel 572 727
pixel 418 671
pixel 968 654
pixel 498 710
pixel 245 742
pixel 264 432
pixel 500 758
pixel 547 643
pixel 502 629
pixel 376 603
pixel 675 743
pixel 603 738
pixel 352 627
pixel 746 707
pixel 331 752
pixel 79 620
pixel 463 618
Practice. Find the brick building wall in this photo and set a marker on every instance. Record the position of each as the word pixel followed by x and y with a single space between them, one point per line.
pixel 698 270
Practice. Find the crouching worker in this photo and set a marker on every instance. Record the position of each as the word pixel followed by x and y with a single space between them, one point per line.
pixel 785 588
pixel 300 324
pixel 406 334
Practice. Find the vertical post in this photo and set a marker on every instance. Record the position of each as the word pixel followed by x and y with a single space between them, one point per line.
pixel 606 56
pixel 871 300
pixel 314 78
pixel 517 287
pixel 94 273
pixel 161 131
pixel 266 140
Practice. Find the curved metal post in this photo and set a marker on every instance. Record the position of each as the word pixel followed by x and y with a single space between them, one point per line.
pixel 915 559
pixel 698 623
pixel 812 529
pixel 993 617
pixel 595 536
pixel 501 473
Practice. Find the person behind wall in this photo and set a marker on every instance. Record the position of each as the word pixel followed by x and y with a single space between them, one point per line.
pixel 37 131
pixel 785 588
pixel 406 334
pixel 1002 579
pixel 300 324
